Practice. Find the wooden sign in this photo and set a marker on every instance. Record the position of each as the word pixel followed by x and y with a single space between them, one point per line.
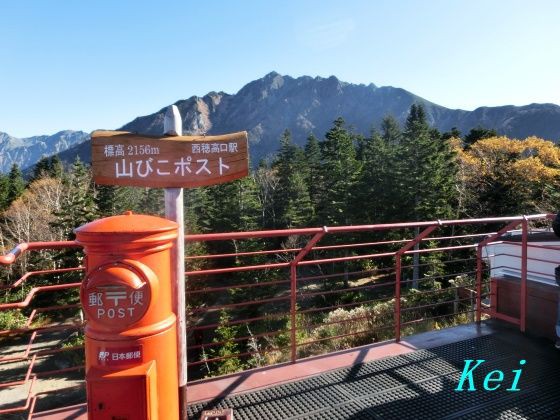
pixel 123 158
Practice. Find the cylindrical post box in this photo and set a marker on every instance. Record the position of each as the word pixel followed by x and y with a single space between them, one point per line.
pixel 130 332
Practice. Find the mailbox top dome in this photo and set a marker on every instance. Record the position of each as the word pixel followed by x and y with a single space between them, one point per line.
pixel 128 223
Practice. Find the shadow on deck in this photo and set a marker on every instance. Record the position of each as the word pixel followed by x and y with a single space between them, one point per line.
pixel 419 384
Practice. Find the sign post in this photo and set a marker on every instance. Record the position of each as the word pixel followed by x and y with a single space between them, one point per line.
pixel 174 205
pixel 172 162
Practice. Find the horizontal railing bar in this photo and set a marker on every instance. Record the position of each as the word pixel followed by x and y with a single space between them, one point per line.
pixel 49 309
pixel 24 278
pixel 504 254
pixel 348 289
pixel 34 291
pixel 11 256
pixel 306 343
pixel 59 350
pixel 41 329
pixel 25 354
pixel 236 286
pixel 25 379
pixel 236 269
pixel 457 274
pixel 231 356
pixel 329 247
pixel 416 321
pixel 236 340
pixel 503 317
pixel 59 371
pixel 351 258
pixel 344 305
pixel 532 245
pixel 239 321
pixel 349 273
pixel 27 401
pixel 377 270
pixel 358 228
pixel 236 305
pixel 431 305
pixel 320 324
pixel 242 254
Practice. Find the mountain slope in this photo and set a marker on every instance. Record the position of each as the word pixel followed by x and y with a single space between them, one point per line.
pixel 304 105
pixel 27 151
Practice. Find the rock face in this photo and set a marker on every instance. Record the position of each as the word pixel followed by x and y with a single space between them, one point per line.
pixel 304 105
pixel 266 107
pixel 26 152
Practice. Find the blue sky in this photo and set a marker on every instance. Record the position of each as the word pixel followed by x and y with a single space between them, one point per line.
pixel 98 64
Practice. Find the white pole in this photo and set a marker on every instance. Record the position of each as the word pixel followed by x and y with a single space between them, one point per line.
pixel 173 126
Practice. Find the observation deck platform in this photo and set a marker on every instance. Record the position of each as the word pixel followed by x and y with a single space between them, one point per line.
pixel 413 379
pixel 419 383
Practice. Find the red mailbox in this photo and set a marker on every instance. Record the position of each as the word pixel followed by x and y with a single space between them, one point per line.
pixel 131 339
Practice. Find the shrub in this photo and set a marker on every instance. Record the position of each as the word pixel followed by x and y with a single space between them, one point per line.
pixel 12 319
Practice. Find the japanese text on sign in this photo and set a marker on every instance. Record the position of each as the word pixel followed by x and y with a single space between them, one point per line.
pixel 119 356
pixel 108 303
pixel 120 158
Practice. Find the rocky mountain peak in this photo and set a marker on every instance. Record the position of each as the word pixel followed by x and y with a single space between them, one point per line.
pixel 304 105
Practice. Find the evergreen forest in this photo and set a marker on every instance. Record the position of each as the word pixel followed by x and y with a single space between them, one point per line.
pixel 397 173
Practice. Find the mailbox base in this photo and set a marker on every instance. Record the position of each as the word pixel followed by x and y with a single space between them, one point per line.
pixel 138 375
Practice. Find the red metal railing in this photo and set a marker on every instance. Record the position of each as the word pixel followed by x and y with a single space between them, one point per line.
pixel 258 298
pixel 292 284
pixel 31 351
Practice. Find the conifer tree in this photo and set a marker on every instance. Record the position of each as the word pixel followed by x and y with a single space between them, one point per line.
pixel 291 196
pixel 375 196
pixel 80 207
pixel 391 131
pixel 106 200
pixel 231 206
pixel 266 180
pixel 196 203
pixel 313 176
pixel 339 172
pixel 56 168
pixel 4 186
pixel 16 184
pixel 152 202
pixel 453 133
pixel 479 133
pixel 426 175
pixel 426 170
pixel 47 166
pixel 40 169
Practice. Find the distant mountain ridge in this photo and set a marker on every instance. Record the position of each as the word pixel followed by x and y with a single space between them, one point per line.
pixel 267 106
pixel 304 105
pixel 27 151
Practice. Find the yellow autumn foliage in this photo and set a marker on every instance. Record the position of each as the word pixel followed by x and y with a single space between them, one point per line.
pixel 516 161
pixel 522 173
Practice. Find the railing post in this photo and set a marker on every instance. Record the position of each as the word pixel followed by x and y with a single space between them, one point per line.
pixel 478 283
pixel 398 255
pixel 293 289
pixel 174 204
pixel 523 289
pixel 482 244
pixel 398 298
pixel 293 309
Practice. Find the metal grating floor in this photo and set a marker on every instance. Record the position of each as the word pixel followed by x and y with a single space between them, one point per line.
pixel 418 385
